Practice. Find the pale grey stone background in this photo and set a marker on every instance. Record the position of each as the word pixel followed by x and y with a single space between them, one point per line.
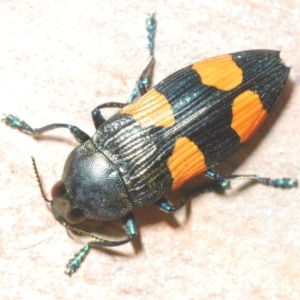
pixel 58 60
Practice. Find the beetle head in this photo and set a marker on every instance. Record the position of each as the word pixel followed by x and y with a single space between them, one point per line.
pixel 91 188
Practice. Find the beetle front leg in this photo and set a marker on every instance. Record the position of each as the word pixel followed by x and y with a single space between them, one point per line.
pixel 284 183
pixel 15 122
pixel 130 228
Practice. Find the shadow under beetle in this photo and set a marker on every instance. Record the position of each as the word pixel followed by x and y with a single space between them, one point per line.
pixel 179 129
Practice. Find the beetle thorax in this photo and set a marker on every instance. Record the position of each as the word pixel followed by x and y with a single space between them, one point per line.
pixel 93 185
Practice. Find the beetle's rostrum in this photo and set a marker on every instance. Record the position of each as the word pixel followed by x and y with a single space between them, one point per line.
pixel 180 128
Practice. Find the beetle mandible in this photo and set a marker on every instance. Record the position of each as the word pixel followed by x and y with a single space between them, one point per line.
pixel 177 130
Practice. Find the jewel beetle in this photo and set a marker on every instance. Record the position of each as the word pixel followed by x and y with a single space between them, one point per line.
pixel 166 135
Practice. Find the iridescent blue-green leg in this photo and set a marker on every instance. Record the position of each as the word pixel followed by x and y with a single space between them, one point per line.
pixel 219 186
pixel 15 122
pixel 144 81
pixel 98 119
pixel 166 206
pixel 284 183
pixel 130 228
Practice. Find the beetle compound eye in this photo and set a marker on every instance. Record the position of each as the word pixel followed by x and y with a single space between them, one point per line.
pixel 58 189
pixel 75 216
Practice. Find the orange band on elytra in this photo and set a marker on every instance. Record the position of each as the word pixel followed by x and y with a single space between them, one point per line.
pixel 151 109
pixel 220 72
pixel 186 161
pixel 247 114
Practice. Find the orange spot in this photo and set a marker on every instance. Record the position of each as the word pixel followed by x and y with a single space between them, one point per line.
pixel 248 114
pixel 220 72
pixel 186 162
pixel 151 109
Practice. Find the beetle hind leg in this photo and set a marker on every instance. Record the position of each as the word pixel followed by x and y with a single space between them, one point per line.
pixel 144 81
pixel 284 183
pixel 141 89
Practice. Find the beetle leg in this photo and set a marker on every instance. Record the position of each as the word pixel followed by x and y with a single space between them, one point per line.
pixel 168 207
pixel 219 186
pixel 151 28
pixel 98 119
pixel 144 81
pixel 130 228
pixel 15 122
pixel 284 183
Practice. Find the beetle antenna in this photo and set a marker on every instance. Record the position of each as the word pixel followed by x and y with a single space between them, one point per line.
pixel 38 179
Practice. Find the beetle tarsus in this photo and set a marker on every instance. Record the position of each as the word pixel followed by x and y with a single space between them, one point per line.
pixel 15 122
pixel 75 262
pixel 144 82
pixel 151 28
pixel 284 183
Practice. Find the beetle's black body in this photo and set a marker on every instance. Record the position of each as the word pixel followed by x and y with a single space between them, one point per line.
pixel 125 164
pixel 182 127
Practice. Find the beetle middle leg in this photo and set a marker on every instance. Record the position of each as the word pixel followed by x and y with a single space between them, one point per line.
pixel 218 186
pixel 98 119
pixel 129 226
pixel 168 207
